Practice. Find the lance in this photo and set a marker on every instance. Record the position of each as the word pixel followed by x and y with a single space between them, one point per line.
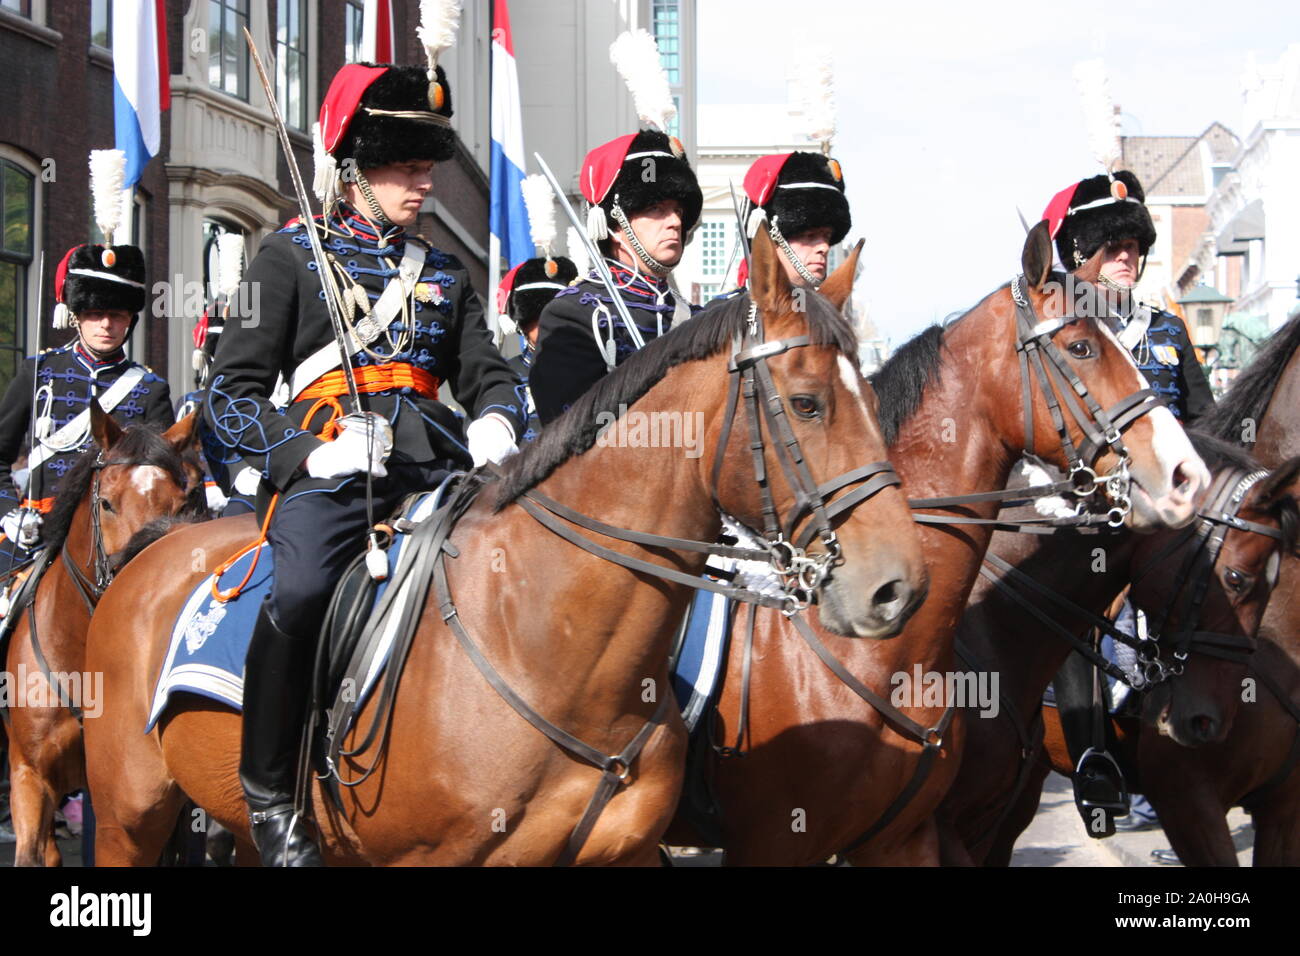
pixel 597 259
pixel 318 253
pixel 740 225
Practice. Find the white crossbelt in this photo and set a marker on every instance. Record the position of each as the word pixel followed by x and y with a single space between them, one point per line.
pixel 73 433
pixel 327 358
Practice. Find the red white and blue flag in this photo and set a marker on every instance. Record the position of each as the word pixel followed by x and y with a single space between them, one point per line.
pixel 377 31
pixel 508 216
pixel 141 90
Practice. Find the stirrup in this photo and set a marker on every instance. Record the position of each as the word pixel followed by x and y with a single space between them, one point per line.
pixel 283 842
pixel 1099 792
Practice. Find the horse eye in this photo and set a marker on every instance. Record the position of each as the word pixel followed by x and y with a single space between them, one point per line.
pixel 805 406
pixel 1081 349
pixel 107 505
pixel 1235 580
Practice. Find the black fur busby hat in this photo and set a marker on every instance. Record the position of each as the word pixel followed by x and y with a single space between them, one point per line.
pixel 1099 211
pixel 98 278
pixel 536 282
pixel 799 191
pixel 396 120
pixel 636 171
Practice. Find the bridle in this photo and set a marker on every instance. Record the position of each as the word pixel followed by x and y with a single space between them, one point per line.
pixel 1041 362
pixel 1193 583
pixel 800 571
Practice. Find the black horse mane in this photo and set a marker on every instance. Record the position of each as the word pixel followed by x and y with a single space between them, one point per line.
pixel 703 336
pixel 139 444
pixel 150 533
pixel 901 382
pixel 1253 388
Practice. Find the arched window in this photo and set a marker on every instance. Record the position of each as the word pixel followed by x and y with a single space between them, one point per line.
pixel 17 242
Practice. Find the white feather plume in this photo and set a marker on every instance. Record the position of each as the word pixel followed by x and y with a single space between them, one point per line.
pixel 439 20
pixel 1100 120
pixel 636 57
pixel 541 210
pixel 230 262
pixel 812 75
pixel 577 251
pixel 107 179
pixel 325 182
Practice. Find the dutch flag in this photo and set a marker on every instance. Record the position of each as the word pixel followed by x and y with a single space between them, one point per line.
pixel 508 221
pixel 377 31
pixel 141 90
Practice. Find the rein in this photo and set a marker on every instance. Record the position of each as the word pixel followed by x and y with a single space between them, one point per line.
pixel 1042 362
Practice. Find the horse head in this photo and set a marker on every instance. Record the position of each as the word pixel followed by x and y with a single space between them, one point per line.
pixel 1122 440
pixel 140 475
pixel 1198 703
pixel 815 415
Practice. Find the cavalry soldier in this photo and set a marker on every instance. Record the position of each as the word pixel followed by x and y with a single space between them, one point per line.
pixel 801 195
pixel 524 291
pixel 100 291
pixel 644 203
pixel 420 328
pixel 1108 213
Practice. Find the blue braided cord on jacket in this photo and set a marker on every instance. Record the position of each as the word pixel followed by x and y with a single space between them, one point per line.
pixel 231 426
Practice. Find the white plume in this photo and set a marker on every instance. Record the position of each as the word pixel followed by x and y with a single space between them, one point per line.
pixel 230 262
pixel 107 179
pixel 636 57
pixel 812 75
pixel 325 183
pixel 577 251
pixel 439 20
pixel 541 210
pixel 1099 117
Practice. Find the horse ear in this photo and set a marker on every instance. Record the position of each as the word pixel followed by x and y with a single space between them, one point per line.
pixel 768 283
pixel 839 284
pixel 185 433
pixel 1036 257
pixel 106 431
pixel 1281 483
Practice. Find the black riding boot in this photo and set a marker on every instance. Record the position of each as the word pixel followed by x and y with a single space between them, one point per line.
pixel 277 679
pixel 1100 792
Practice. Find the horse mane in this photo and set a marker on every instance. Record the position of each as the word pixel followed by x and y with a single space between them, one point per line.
pixel 703 336
pixel 1252 390
pixel 139 444
pixel 901 382
pixel 150 533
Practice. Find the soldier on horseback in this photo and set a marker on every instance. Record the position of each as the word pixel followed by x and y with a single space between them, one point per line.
pixel 100 291
pixel 413 326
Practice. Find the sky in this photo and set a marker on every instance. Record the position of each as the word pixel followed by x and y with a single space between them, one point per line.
pixel 951 115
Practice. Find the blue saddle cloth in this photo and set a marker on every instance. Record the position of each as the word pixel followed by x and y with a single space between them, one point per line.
pixel 210 638
pixel 700 661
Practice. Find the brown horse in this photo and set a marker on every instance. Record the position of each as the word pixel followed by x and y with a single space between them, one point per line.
pixel 583 641
pixel 1255 765
pixel 983 813
pixel 821 767
pixel 105 498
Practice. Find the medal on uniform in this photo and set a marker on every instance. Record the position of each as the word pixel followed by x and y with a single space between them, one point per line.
pixel 1165 354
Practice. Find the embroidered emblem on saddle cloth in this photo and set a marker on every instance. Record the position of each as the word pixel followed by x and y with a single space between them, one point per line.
pixel 210 639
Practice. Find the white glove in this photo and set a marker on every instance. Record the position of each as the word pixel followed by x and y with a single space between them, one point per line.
pixel 347 454
pixel 217 500
pixel 491 438
pixel 247 481
pixel 23 526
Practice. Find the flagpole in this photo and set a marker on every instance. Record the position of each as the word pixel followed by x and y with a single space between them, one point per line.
pixel 494 241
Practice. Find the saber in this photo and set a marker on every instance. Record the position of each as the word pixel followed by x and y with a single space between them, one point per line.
pixel 597 259
pixel 304 209
pixel 740 225
pixel 1022 220
pixel 34 473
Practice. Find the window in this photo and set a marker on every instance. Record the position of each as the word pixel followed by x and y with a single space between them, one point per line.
pixel 227 51
pixel 17 213
pixel 214 229
pixel 291 61
pixel 353 20
pixel 675 124
pixel 714 251
pixel 101 23
pixel 667 33
pixel 23 7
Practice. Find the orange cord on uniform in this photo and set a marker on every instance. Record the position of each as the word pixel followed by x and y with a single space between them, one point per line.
pixel 329 431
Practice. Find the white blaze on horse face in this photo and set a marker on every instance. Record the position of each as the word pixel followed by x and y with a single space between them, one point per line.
pixel 143 479
pixel 849 376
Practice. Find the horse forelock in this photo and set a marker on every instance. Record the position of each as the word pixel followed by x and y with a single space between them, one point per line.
pixel 702 337
pixel 140 445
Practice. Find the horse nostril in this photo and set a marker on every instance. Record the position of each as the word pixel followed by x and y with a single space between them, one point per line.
pixel 890 598
pixel 1204 726
pixel 1181 479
